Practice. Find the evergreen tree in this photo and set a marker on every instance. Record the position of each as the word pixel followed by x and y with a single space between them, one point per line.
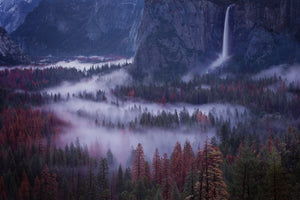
pixel 92 192
pixel 2 189
pixel 128 180
pixel 102 176
pixel 177 166
pixel 247 174
pixel 188 158
pixel 138 168
pixel 120 181
pixel 158 195
pixel 49 185
pixel 166 178
pixel 189 185
pixel 148 172
pixel 175 194
pixel 24 190
pixel 210 184
pixel 110 159
pixel 275 178
pixel 157 168
pixel 140 190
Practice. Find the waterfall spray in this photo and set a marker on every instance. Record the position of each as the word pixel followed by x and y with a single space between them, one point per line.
pixel 225 48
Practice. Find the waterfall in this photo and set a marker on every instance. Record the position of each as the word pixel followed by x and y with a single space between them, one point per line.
pixel 225 48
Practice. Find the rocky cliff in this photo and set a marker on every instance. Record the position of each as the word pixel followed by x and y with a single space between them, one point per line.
pixel 13 12
pixel 81 27
pixel 176 35
pixel 10 53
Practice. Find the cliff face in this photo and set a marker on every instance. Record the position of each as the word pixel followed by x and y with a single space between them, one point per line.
pixel 10 53
pixel 13 12
pixel 265 32
pixel 176 35
pixel 81 27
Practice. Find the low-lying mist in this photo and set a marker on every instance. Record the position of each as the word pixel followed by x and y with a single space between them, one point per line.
pixel 121 142
pixel 288 73
pixel 97 82
pixel 82 115
pixel 76 63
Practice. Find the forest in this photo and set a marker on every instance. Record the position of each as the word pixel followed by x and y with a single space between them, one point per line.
pixel 255 156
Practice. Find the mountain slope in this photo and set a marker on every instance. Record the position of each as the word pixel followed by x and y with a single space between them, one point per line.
pixel 72 27
pixel 176 36
pixel 13 12
pixel 10 53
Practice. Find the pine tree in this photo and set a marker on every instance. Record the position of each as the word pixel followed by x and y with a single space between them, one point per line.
pixel 92 191
pixel 158 195
pixel 24 190
pixel 188 158
pixel 140 190
pixel 275 179
pixel 166 178
pixel 177 166
pixel 248 173
pixel 175 194
pixel 157 168
pixel 128 180
pixel 210 184
pixel 2 189
pixel 110 158
pixel 120 181
pixel 138 168
pixel 190 182
pixel 148 172
pixel 37 189
pixel 49 185
pixel 102 176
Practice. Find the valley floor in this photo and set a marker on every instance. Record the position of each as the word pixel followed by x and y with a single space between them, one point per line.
pixel 80 130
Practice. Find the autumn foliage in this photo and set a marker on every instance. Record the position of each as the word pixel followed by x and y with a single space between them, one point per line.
pixel 138 166
pixel 27 127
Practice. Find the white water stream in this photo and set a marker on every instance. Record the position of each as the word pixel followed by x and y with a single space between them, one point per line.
pixel 224 56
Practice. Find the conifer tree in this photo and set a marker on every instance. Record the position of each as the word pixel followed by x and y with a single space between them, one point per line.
pixel 148 172
pixel 190 182
pixel 166 178
pixel 177 166
pixel 102 175
pixel 157 168
pixel 188 158
pixel 158 195
pixel 37 189
pixel 24 190
pixel 275 178
pixel 120 181
pixel 138 168
pixel 175 194
pixel 210 184
pixel 140 190
pixel 2 189
pixel 49 185
pixel 247 174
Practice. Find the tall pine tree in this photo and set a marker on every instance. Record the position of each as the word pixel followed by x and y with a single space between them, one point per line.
pixel 138 166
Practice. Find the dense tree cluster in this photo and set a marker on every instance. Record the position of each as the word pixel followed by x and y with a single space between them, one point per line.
pixel 269 95
pixel 249 159
pixel 37 79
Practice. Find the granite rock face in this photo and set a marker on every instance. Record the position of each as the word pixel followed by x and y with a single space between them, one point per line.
pixel 10 53
pixel 177 35
pixel 13 12
pixel 81 27
pixel 265 33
